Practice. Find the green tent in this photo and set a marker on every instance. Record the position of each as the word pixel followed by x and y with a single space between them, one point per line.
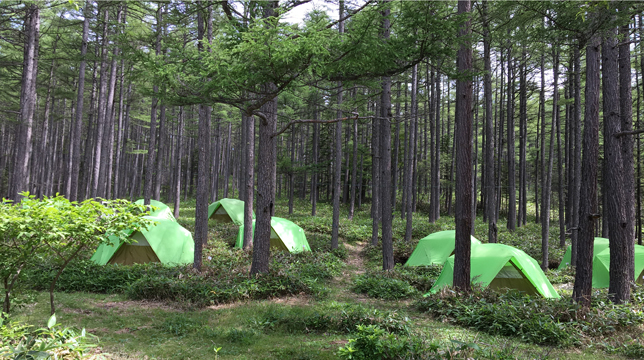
pixel 501 266
pixel 166 242
pixel 435 248
pixel 601 263
pixel 599 245
pixel 227 210
pixel 285 236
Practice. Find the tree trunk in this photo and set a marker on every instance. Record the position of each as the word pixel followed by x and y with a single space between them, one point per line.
pixel 626 120
pixel 574 238
pixel 28 97
pixel 177 188
pixel 547 185
pixel 523 139
pixel 463 145
pixel 409 169
pixel 151 158
pixel 249 181
pixel 203 165
pixel 512 206
pixel 614 194
pixel 434 202
pixel 588 192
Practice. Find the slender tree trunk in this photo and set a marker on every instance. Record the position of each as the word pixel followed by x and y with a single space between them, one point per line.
pixel 354 170
pixel 338 153
pixel 545 212
pixel 102 107
pixel 512 206
pixel 434 206
pixel 409 170
pixel 577 158
pixel 177 188
pixel 315 174
pixel 523 139
pixel 20 176
pixel 249 181
pixel 463 130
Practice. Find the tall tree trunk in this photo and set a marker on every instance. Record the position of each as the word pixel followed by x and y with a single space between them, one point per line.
pixel 574 238
pixel 464 221
pixel 385 146
pixel 266 163
pixel 512 206
pixel 434 203
pixel 396 152
pixel 626 120
pixel 337 163
pixel 545 203
pixel 102 107
pixel 249 181
pixel 315 173
pixel 409 170
pixel 523 139
pixel 151 158
pixel 588 193
pixel 203 165
pixel 354 170
pixel 20 175
pixel 614 194
pixel 177 188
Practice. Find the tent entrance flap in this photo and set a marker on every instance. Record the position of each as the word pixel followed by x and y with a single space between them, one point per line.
pixel 276 242
pixel 510 277
pixel 129 254
pixel 221 215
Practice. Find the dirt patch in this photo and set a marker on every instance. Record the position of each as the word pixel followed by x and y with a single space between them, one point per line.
pixel 122 331
pixel 354 258
pixel 129 304
pixel 76 311
pixel 299 300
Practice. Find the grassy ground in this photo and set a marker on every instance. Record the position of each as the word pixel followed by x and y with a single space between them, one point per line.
pixel 154 330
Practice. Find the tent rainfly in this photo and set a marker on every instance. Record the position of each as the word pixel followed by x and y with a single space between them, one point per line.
pixel 601 263
pixel 285 236
pixel 435 248
pixel 501 266
pixel 166 242
pixel 227 210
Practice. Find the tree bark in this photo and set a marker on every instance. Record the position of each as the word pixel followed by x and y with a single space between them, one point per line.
pixel 409 169
pixel 463 145
pixel 249 192
pixel 588 211
pixel 614 194
pixel 626 120
pixel 574 238
pixel 547 185
pixel 20 176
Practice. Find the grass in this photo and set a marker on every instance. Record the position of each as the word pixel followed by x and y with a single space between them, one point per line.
pixel 156 330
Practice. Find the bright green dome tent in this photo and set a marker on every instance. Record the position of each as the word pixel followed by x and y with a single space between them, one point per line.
pixel 285 236
pixel 227 210
pixel 501 266
pixel 166 242
pixel 601 263
pixel 435 248
pixel 600 244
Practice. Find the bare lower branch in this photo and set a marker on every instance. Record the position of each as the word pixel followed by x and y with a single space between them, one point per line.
pixel 310 121
pixel 634 132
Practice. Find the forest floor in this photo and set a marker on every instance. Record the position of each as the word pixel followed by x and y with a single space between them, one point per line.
pixel 130 329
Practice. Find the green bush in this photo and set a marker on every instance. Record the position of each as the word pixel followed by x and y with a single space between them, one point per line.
pixel 85 275
pixel 372 342
pixel 540 321
pixel 18 341
pixel 382 287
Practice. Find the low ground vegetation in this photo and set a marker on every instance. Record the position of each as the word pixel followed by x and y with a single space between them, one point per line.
pixel 327 304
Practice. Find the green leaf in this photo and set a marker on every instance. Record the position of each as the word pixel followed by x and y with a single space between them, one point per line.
pixel 52 321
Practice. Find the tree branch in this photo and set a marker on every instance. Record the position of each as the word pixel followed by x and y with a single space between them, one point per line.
pixel 634 132
pixel 310 121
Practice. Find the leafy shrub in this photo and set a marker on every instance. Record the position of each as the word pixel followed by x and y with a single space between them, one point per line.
pixel 18 341
pixel 372 342
pixel 383 287
pixel 85 275
pixel 339 318
pixel 632 349
pixel 535 320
